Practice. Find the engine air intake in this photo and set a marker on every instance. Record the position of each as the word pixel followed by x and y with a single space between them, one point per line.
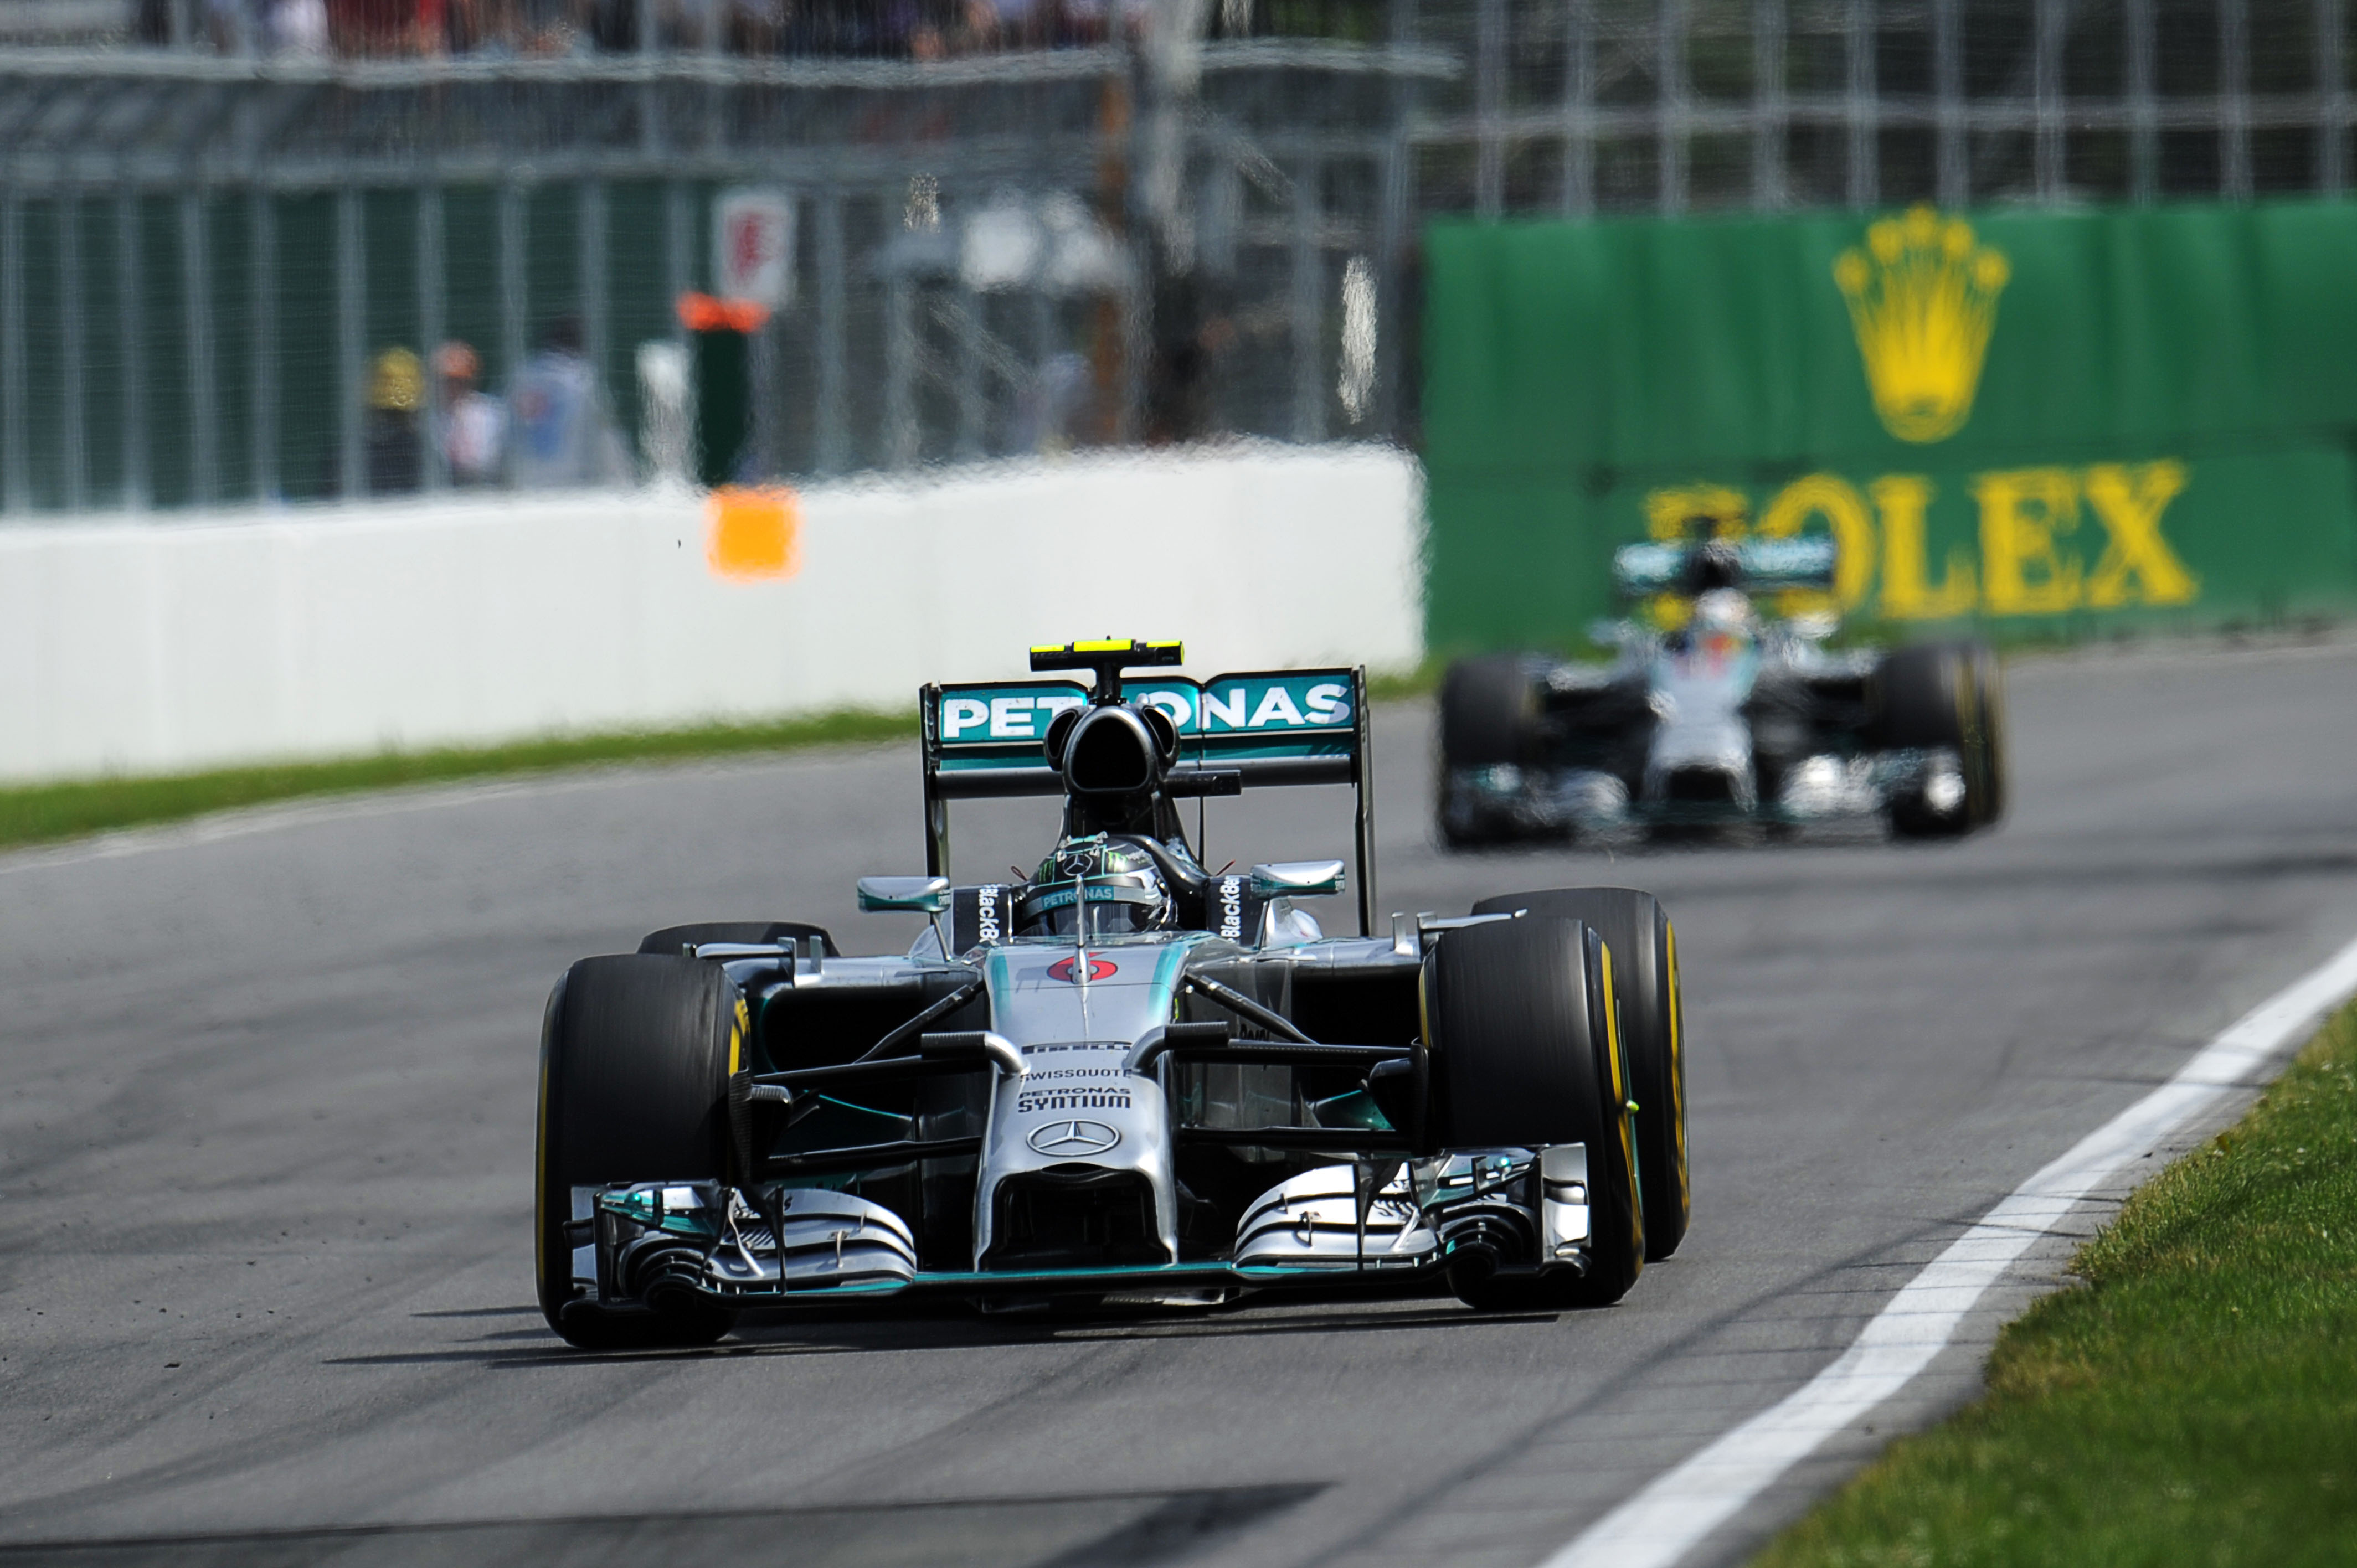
pixel 1114 751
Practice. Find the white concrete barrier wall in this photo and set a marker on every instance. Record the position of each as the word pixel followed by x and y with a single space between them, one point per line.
pixel 141 646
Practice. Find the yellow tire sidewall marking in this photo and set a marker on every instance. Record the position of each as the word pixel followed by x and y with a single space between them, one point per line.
pixel 1677 1084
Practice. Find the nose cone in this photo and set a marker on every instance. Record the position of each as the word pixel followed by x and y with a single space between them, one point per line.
pixel 1076 1169
pixel 1702 761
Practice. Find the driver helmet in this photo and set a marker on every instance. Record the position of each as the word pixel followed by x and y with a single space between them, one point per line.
pixel 1722 609
pixel 1117 886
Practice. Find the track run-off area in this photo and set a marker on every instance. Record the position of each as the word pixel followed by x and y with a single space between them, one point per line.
pixel 266 1096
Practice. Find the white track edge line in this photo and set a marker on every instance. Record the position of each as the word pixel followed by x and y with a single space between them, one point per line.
pixel 1674 1513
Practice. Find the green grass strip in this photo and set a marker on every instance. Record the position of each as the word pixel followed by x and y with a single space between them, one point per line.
pixel 2195 1402
pixel 1399 684
pixel 42 812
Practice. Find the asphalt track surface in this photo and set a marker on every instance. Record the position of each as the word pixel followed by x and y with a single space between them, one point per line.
pixel 267 1090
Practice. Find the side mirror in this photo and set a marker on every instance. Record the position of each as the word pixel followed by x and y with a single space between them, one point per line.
pixel 1297 878
pixel 1814 626
pixel 922 895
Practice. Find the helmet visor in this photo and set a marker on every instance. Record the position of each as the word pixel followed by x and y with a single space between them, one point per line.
pixel 1110 908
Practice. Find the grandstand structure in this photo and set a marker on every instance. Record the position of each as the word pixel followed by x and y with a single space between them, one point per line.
pixel 1069 229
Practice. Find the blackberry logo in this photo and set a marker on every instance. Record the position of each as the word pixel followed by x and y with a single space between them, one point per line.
pixel 1232 907
pixel 985 911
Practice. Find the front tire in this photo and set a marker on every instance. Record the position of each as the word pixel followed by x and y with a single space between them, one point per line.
pixel 1525 1055
pixel 1488 717
pixel 635 1057
pixel 1489 711
pixel 1945 695
pixel 1988 732
pixel 1644 948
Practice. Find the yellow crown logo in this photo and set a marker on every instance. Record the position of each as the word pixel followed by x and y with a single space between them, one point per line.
pixel 1922 298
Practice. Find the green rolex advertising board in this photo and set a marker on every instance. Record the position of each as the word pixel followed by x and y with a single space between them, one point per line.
pixel 2048 422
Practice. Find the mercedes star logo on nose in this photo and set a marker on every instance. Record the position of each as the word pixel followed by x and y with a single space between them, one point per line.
pixel 1069 1140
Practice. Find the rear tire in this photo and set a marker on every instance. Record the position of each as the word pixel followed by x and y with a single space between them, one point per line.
pixel 635 1057
pixel 1948 695
pixel 1644 949
pixel 1522 1055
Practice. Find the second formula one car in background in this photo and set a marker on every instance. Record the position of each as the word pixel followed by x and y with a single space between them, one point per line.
pixel 1734 718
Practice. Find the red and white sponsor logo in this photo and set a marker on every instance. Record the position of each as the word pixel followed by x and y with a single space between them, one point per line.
pixel 1067 969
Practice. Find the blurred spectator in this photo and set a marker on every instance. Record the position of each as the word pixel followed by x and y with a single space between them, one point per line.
pixel 231 25
pixel 562 433
pixel 666 424
pixel 979 28
pixel 472 25
pixel 396 393
pixel 889 28
pixel 297 27
pixel 990 26
pixel 614 23
pixel 474 429
pixel 740 26
pixel 385 26
pixel 922 30
pixel 757 26
pixel 1047 411
pixel 544 26
pixel 1192 333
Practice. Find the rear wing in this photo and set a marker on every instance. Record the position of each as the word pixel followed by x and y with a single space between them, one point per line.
pixel 984 740
pixel 1763 565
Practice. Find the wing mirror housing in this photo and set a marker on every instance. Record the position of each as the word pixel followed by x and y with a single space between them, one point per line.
pixel 1297 878
pixel 918 894
pixel 1814 626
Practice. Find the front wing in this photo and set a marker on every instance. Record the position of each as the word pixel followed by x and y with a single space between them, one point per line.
pixel 1541 801
pixel 771 1245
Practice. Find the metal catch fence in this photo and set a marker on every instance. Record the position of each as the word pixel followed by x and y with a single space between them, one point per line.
pixel 234 269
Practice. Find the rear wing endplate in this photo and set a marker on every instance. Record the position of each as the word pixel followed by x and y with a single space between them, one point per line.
pixel 984 740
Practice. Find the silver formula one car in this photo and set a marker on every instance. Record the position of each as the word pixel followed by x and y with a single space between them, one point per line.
pixel 1125 1077
pixel 1734 718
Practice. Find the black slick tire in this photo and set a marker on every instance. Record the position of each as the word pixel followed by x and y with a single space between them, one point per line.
pixel 1947 695
pixel 1523 1055
pixel 1489 711
pixel 1645 947
pixel 1488 716
pixel 1986 780
pixel 635 1056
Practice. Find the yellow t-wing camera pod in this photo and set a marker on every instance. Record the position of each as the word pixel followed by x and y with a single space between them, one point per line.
pixel 1106 658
